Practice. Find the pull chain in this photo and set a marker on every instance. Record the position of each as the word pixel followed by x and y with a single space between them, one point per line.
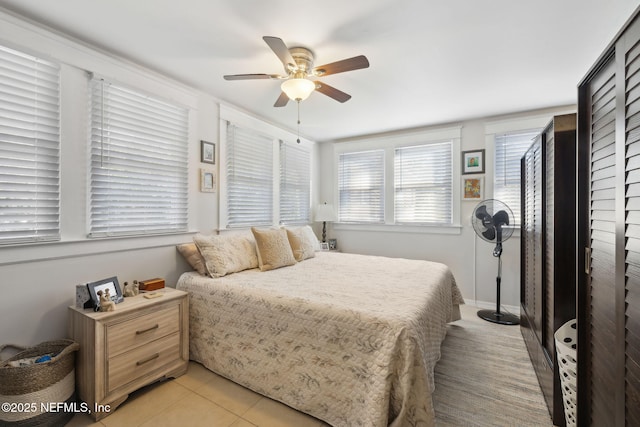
pixel 298 140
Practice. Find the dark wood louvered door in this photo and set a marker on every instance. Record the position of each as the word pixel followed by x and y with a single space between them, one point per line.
pixel 631 292
pixel 609 232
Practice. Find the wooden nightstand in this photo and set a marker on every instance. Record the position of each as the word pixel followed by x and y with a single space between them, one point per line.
pixel 140 342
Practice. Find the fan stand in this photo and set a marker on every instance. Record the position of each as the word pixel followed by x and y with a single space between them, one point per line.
pixel 496 316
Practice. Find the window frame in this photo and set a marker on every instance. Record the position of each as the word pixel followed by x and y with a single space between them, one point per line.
pixel 389 144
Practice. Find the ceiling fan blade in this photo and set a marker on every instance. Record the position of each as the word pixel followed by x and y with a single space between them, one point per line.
pixel 281 50
pixel 489 233
pixel 250 76
pixel 355 63
pixel 282 100
pixel 332 92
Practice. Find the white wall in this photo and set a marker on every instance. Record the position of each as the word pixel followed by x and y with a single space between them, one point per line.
pixel 37 281
pixel 469 257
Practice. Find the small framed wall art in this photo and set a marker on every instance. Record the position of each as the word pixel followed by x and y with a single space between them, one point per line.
pixel 472 161
pixel 207 181
pixel 472 188
pixel 208 152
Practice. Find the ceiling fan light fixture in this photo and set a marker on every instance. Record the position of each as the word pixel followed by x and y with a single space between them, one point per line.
pixel 298 89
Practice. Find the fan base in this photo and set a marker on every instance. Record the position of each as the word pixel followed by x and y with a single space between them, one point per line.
pixel 500 318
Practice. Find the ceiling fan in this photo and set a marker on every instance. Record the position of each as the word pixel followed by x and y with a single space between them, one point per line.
pixel 299 69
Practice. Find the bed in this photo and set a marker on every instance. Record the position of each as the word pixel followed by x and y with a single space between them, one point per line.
pixel 350 339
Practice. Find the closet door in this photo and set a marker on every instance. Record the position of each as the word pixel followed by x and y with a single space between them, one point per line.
pixel 631 292
pixel 599 310
pixel 609 288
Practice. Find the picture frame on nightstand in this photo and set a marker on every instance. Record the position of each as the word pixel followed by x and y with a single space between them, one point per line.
pixel 111 284
pixel 333 244
pixel 324 246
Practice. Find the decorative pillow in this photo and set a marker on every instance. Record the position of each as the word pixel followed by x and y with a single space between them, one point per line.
pixel 311 236
pixel 300 245
pixel 193 256
pixel 274 250
pixel 227 253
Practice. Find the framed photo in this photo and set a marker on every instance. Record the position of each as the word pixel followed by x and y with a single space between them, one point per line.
pixel 472 188
pixel 473 161
pixel 324 246
pixel 207 181
pixel 333 244
pixel 208 152
pixel 110 284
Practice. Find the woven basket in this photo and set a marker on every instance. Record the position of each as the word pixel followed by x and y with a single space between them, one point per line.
pixel 31 390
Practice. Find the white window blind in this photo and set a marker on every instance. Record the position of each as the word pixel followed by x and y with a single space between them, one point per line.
pixel 249 178
pixel 139 146
pixel 509 149
pixel 424 184
pixel 29 148
pixel 361 186
pixel 295 184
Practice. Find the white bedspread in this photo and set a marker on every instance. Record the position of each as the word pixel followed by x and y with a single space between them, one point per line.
pixel 350 339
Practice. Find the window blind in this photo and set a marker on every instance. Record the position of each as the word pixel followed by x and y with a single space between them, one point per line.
pixel 361 186
pixel 29 148
pixel 295 184
pixel 509 149
pixel 249 178
pixel 139 146
pixel 423 184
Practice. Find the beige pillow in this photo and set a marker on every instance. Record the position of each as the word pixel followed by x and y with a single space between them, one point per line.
pixel 300 245
pixel 193 256
pixel 274 250
pixel 227 253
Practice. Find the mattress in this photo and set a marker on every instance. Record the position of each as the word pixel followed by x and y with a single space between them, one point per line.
pixel 350 339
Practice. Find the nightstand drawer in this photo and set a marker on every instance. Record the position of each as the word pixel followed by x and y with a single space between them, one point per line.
pixel 139 331
pixel 136 363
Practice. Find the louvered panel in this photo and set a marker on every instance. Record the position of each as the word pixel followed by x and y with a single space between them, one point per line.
pixel 549 271
pixel 529 256
pixel 602 242
pixel 632 234
pixel 538 183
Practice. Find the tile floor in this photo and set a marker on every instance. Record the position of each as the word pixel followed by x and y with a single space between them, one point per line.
pixel 199 398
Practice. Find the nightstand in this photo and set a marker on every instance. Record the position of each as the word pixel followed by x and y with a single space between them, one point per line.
pixel 141 341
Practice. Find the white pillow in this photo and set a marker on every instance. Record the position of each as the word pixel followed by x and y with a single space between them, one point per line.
pixel 311 236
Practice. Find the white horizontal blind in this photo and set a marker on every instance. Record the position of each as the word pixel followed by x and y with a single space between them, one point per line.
pixel 509 149
pixel 361 187
pixel 29 148
pixel 295 184
pixel 249 178
pixel 423 184
pixel 139 146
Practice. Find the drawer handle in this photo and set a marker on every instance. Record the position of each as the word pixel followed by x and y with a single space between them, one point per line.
pixel 156 326
pixel 147 360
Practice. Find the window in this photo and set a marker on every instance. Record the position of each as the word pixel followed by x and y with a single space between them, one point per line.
pixel 139 146
pixel 509 149
pixel 29 148
pixel 295 184
pixel 361 187
pixel 249 177
pixel 423 184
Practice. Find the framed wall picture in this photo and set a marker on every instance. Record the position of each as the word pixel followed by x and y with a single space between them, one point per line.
pixel 472 188
pixel 207 181
pixel 111 284
pixel 208 152
pixel 473 161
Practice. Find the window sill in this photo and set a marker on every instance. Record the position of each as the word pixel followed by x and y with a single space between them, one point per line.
pixel 395 228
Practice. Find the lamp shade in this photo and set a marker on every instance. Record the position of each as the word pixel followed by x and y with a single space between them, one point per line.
pixel 298 89
pixel 325 212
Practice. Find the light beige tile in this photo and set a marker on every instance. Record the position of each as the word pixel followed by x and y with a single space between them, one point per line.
pixel 196 376
pixel 193 411
pixel 269 413
pixel 144 403
pixel 229 395
pixel 83 420
pixel 242 423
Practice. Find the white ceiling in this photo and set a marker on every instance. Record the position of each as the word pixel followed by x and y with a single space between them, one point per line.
pixel 432 62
